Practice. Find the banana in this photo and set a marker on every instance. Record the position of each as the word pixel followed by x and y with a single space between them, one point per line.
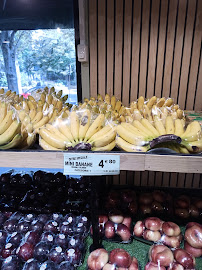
pixel 7 121
pixel 47 146
pixel 17 107
pixel 174 115
pixel 175 107
pixel 59 105
pixel 49 99
pixel 107 99
pixel 74 125
pixel 169 125
pixel 108 147
pixel 140 103
pixel 151 102
pixel 28 141
pixel 25 106
pixel 149 126
pixel 59 94
pixel 113 102
pixel 37 118
pixel 164 114
pixel 3 111
pixel 55 131
pixel 194 147
pixel 84 124
pixel 13 143
pixel 52 139
pixel 65 98
pixel 137 115
pixel 143 129
pixel 99 98
pixel 53 116
pixel 122 110
pixel 31 105
pixel 183 122
pixel 104 140
pixel 180 113
pixel 130 136
pixel 122 144
pixel 183 149
pixel 43 98
pixel 146 112
pixel 10 133
pixel 194 134
pixel 95 126
pixel 64 129
pixel 156 113
pixel 41 123
pixel 101 132
pixel 169 102
pixel 7 93
pixel 179 129
pixel 159 126
pixel 1 91
pixel 118 106
pixel 32 113
pixel 161 102
pixel 32 99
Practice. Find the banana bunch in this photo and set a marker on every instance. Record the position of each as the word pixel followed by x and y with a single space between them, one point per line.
pixel 10 96
pixel 141 135
pixel 80 131
pixel 109 106
pixel 10 128
pixel 152 108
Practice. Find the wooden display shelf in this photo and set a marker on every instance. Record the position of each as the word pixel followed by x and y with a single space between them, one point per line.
pixel 128 161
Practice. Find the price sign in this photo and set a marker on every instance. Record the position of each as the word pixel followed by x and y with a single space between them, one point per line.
pixel 88 164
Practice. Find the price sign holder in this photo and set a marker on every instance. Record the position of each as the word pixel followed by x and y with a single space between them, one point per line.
pixel 91 164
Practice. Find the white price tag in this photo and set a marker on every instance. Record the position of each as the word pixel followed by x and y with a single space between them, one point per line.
pixel 91 164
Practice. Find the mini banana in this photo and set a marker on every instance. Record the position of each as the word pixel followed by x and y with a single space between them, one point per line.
pixel 52 139
pixel 104 140
pixel 13 143
pixel 84 124
pixel 128 147
pixel 170 129
pixel 108 147
pixel 193 132
pixel 95 127
pixel 7 121
pixel 179 129
pixel 10 133
pixel 74 125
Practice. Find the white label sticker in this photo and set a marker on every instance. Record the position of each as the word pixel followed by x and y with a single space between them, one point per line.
pixel 89 164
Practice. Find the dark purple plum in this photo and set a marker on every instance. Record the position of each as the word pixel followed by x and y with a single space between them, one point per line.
pixel 66 266
pixel 8 250
pixel 29 217
pixel 37 226
pixel 51 226
pixel 2 218
pixel 15 238
pixel 48 237
pixel 79 228
pixel 32 237
pixel 23 226
pixel 56 254
pixel 66 228
pixel 43 218
pixel 31 264
pixel 10 225
pixel 70 218
pixel 10 263
pixel 73 256
pixel 48 265
pixel 61 240
pixel 3 237
pixel 41 251
pixel 76 241
pixel 57 217
pixel 25 251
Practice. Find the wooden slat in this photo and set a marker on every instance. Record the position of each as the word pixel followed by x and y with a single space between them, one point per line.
pixel 161 47
pixel 153 47
pixel 130 177
pixel 178 49
pixel 151 178
pixel 123 178
pixel 135 50
pixel 194 60
pixel 118 48
pixel 101 47
pixel 166 180
pixel 110 48
pixel 137 179
pixel 181 179
pixel 188 180
pixel 158 179
pixel 116 180
pixel 173 180
pixel 144 47
pixel 196 180
pixel 127 51
pixel 144 179
pixel 187 53
pixel 93 47
pixel 169 47
pixel 198 103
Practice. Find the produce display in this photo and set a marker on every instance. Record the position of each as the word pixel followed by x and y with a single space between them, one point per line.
pixel 155 230
pixel 116 259
pixel 161 257
pixel 30 241
pixel 115 227
pixel 80 131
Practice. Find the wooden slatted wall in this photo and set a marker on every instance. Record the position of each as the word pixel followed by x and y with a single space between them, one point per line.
pixel 147 47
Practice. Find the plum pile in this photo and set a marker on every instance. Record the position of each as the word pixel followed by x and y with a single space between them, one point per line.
pixel 44 192
pixel 43 241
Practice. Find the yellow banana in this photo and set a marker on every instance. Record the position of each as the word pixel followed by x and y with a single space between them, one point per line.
pixel 28 141
pixel 99 97
pixel 101 132
pixel 37 118
pixel 31 105
pixel 10 133
pixel 151 102
pixel 25 106
pixel 149 126
pixel 95 126
pixel 64 129
pixel 8 93
pixel 74 125
pixel 156 113
pixel 159 126
pixel 164 114
pixel 59 105
pixel 47 146
pixel 32 113
pixel 128 147
pixel 13 143
pixel 107 99
pixel 43 97
pixel 49 99
pixel 161 102
pixel 143 129
pixel 108 147
pixel 3 111
pixel 194 147
pixel 7 121
pixel 113 102
pixel 1 91
pixel 179 129
pixel 137 115
pixel 169 102
pixel 169 125
pixel 118 106
pixel 51 139
pixel 41 123
pixel 180 113
pixel 65 98
pixel 59 94
pixel 84 124
pixel 55 131
pixel 130 136
pixel 53 116
pixel 122 110
pixel 104 140
pixel 140 103
pixel 194 134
